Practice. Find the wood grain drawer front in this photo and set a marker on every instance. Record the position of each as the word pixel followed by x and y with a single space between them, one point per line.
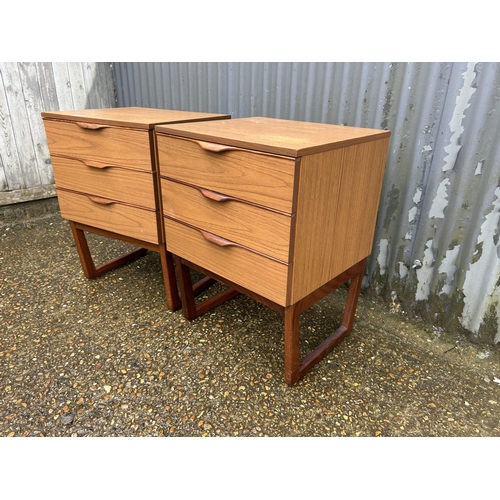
pixel 129 186
pixel 103 146
pixel 116 217
pixel 264 276
pixel 264 179
pixel 263 230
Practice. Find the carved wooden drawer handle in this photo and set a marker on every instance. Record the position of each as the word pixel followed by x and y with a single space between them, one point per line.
pixel 214 148
pixel 218 240
pixel 95 164
pixel 101 201
pixel 212 195
pixel 91 126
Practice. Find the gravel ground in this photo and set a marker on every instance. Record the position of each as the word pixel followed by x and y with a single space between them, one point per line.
pixel 105 357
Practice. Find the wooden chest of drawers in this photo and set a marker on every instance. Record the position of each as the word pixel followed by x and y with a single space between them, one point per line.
pixel 106 176
pixel 283 211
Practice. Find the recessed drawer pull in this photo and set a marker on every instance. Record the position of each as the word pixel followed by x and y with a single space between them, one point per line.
pixel 101 201
pixel 214 148
pixel 95 164
pixel 91 126
pixel 212 195
pixel 217 240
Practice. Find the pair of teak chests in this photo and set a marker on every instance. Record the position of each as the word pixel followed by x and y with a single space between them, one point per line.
pixel 282 211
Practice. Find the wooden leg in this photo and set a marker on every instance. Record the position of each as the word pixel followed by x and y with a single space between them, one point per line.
pixel 167 260
pixel 187 292
pixel 168 270
pixel 294 367
pixel 89 268
pixel 292 348
pixel 352 298
pixel 82 248
pixel 190 309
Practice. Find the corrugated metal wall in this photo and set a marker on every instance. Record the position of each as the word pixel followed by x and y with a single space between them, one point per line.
pixel 436 249
pixel 27 89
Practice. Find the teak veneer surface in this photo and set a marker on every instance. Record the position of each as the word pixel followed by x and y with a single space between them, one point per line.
pixel 284 137
pixel 256 272
pixel 127 185
pixel 264 179
pixel 325 179
pixel 134 117
pixel 105 147
pixel 115 217
pixel 338 198
pixel 266 231
pixel 105 169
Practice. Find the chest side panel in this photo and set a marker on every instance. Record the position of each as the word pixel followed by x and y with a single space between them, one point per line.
pixel 337 204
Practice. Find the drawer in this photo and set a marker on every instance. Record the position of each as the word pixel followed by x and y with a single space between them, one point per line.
pixel 116 217
pixel 263 230
pixel 253 271
pixel 104 145
pixel 264 179
pixel 116 183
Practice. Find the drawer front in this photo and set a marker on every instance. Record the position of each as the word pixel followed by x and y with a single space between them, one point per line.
pixel 127 185
pixel 260 178
pixel 105 146
pixel 116 217
pixel 259 274
pixel 263 230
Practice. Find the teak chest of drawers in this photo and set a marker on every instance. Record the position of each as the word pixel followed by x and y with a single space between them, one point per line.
pixel 106 177
pixel 280 210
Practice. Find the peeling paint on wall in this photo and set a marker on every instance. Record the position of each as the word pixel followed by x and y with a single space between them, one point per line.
pixel 448 268
pixel 456 126
pixel 479 168
pixel 382 255
pixel 440 202
pixel 403 270
pixel 424 274
pixel 483 274
pixel 412 213
pixel 442 166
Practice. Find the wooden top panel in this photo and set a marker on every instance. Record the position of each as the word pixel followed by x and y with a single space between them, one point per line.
pixel 134 117
pixel 271 135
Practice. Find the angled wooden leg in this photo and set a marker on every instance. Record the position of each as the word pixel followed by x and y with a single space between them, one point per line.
pixel 168 270
pixel 352 298
pixel 190 309
pixel 82 248
pixel 294 367
pixel 292 348
pixel 169 277
pixel 187 292
pixel 89 268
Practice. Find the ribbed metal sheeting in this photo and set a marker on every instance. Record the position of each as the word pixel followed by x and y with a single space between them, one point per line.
pixel 436 249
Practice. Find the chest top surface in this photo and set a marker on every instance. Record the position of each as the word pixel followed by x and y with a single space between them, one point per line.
pixel 136 117
pixel 272 135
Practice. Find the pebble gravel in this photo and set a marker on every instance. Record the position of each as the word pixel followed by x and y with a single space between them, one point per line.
pixel 105 357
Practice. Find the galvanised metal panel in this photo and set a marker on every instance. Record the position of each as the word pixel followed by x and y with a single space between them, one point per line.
pixel 436 247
